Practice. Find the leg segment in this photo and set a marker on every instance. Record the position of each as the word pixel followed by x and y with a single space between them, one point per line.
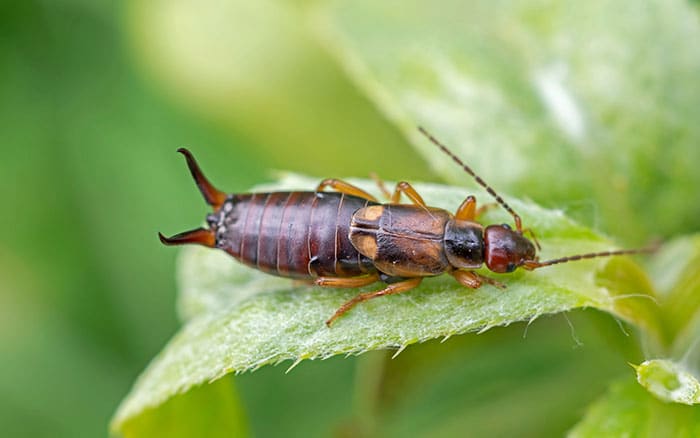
pixel 346 282
pixel 484 208
pixel 473 280
pixel 395 288
pixel 533 237
pixel 381 185
pixel 344 187
pixel 409 191
pixel 467 211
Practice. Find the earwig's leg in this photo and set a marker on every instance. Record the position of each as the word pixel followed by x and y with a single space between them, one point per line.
pixel 467 211
pixel 344 187
pixel 484 208
pixel 409 191
pixel 381 185
pixel 467 278
pixel 346 282
pixel 534 238
pixel 473 280
pixel 491 281
pixel 395 288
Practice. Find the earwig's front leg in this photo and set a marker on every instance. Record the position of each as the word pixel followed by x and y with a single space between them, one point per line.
pixel 345 187
pixel 473 280
pixel 467 211
pixel 392 289
pixel 409 191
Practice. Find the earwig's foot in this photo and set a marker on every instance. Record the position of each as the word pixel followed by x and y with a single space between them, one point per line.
pixel 330 320
pixel 473 280
pixel 493 282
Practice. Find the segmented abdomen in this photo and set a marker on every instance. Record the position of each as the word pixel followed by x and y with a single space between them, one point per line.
pixel 292 234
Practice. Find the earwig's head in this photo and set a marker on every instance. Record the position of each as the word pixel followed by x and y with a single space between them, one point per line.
pixel 505 249
pixel 214 197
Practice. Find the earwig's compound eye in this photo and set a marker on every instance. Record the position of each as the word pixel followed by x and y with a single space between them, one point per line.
pixel 506 226
pixel 510 267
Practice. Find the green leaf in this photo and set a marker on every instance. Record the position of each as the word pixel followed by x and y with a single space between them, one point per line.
pixel 669 381
pixel 677 279
pixel 628 410
pixel 559 101
pixel 239 319
pixel 183 415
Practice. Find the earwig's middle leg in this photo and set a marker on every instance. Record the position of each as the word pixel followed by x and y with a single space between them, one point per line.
pixel 344 187
pixel 347 282
pixel 408 190
pixel 394 288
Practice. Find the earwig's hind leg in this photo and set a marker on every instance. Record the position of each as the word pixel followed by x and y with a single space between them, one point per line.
pixel 473 280
pixel 345 187
pixel 381 185
pixel 392 289
pixel 408 190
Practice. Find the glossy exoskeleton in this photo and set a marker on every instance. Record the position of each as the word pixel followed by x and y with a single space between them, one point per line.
pixel 346 238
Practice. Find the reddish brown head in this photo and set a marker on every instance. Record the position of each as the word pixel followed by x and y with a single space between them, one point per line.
pixel 505 249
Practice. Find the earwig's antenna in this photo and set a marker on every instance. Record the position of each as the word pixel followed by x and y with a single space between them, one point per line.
pixel 477 178
pixel 214 197
pixel 534 264
pixel 200 236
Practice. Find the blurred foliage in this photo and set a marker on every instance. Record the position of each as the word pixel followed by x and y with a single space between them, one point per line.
pixel 96 97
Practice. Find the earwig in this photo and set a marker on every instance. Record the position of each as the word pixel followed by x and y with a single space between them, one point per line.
pixel 347 238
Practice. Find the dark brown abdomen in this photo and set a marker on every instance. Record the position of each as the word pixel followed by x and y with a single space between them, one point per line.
pixel 292 234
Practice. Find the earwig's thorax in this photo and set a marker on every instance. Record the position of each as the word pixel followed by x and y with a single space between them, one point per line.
pixel 464 244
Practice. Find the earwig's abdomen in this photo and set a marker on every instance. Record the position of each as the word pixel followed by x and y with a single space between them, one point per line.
pixel 291 234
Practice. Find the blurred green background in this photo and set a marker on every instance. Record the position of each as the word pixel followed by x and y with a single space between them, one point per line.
pixel 94 99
